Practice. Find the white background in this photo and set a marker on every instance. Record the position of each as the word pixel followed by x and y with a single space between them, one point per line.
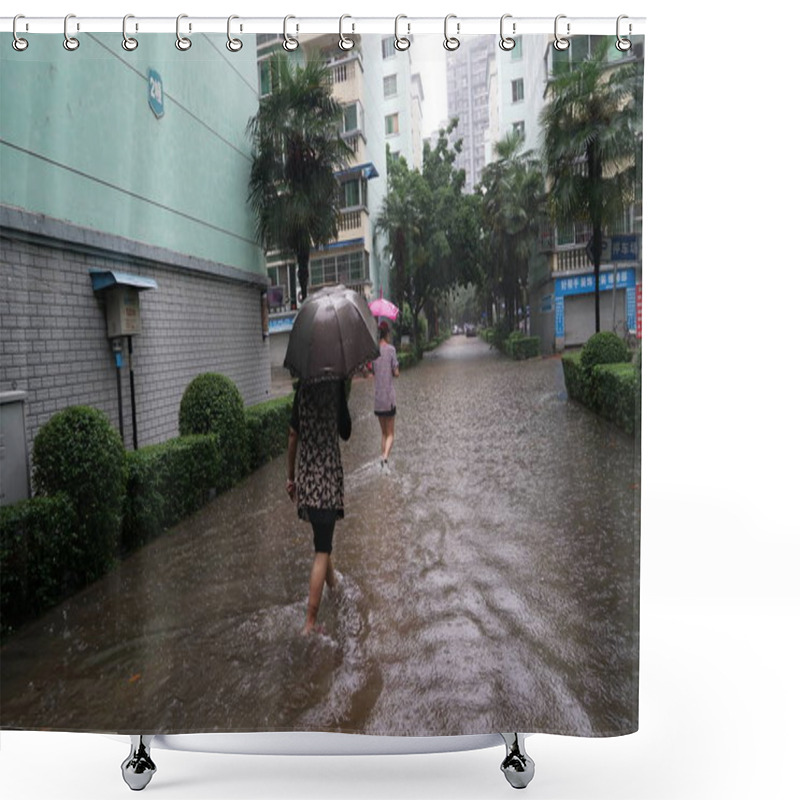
pixel 719 628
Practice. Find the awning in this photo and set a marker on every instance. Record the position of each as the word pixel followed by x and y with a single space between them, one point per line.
pixel 367 170
pixel 106 279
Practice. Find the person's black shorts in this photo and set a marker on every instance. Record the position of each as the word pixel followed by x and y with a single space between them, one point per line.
pixel 323 521
pixel 389 413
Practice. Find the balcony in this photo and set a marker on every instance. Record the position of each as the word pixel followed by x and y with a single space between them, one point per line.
pixel 354 224
pixel 571 258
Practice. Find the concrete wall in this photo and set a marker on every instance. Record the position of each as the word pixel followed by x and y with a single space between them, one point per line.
pixel 54 343
pixel 79 141
pixel 92 178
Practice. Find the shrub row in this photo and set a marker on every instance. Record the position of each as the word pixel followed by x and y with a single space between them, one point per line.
pixel 267 424
pixel 167 482
pixel 520 347
pixel 95 502
pixel 43 557
pixel 611 389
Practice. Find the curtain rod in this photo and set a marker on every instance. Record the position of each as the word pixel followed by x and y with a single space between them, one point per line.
pixel 453 25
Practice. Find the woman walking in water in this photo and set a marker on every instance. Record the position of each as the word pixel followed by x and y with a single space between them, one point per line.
pixel 385 368
pixel 319 417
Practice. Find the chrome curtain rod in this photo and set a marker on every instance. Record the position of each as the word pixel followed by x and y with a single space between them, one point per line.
pixel 507 25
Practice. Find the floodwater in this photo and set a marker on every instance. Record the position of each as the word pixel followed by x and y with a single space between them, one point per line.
pixel 488 582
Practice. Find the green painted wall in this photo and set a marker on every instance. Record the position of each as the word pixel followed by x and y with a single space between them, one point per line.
pixel 79 142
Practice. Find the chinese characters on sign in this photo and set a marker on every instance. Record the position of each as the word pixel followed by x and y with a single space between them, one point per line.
pixel 625 248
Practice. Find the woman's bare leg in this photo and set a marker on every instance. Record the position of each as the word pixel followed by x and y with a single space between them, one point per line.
pixel 389 437
pixel 321 570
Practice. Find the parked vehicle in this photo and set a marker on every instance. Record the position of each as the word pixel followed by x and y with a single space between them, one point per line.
pixel 470 330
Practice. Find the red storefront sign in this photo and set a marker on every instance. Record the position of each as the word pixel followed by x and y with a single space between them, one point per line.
pixel 639 311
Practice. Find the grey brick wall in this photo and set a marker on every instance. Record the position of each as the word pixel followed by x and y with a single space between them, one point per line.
pixel 53 338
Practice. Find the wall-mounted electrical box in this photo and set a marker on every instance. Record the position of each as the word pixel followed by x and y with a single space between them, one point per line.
pixel 121 293
pixel 122 312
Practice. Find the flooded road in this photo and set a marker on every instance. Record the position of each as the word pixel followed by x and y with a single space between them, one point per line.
pixel 489 582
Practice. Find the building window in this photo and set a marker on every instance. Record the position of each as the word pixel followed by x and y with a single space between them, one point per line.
pixel 519 128
pixel 517 90
pixel 516 53
pixel 387 45
pixel 392 124
pixel 390 86
pixel 348 268
pixel 265 76
pixel 350 118
pixel 353 193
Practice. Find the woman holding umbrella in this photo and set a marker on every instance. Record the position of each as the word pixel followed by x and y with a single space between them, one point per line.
pixel 332 336
pixel 319 417
pixel 385 368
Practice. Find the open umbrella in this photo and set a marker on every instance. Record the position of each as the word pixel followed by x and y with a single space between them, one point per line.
pixel 333 335
pixel 383 308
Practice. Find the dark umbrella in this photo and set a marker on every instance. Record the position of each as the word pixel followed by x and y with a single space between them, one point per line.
pixel 333 335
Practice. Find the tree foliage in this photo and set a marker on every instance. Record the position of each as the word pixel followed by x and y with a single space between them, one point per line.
pixel 432 227
pixel 512 193
pixel 592 128
pixel 297 150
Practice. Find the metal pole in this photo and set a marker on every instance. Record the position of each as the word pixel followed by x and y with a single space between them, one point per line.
pixel 133 394
pixel 116 348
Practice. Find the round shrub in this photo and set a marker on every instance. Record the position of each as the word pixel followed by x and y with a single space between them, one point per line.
pixel 603 348
pixel 212 404
pixel 78 452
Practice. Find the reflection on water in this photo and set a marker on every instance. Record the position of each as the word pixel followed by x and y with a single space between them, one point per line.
pixel 489 582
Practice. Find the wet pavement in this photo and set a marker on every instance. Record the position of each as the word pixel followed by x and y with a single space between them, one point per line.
pixel 488 582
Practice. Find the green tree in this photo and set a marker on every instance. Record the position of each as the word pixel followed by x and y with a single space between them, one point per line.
pixel 297 151
pixel 592 128
pixel 432 228
pixel 512 194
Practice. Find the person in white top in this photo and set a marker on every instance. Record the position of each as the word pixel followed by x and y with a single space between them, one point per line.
pixel 385 368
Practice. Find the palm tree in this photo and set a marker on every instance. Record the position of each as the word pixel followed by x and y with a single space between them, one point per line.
pixel 512 192
pixel 297 150
pixel 592 145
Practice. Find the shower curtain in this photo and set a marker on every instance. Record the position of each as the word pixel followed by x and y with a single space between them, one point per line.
pixel 154 571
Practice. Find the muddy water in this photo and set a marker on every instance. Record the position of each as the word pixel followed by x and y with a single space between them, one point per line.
pixel 488 582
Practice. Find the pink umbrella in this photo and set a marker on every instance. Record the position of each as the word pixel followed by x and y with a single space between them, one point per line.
pixel 383 308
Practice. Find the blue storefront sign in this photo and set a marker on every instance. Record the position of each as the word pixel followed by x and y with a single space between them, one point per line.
pixel 625 247
pixel 584 284
pixel 281 324
pixel 155 93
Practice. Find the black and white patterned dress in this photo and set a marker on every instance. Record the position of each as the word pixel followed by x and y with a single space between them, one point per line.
pixel 320 416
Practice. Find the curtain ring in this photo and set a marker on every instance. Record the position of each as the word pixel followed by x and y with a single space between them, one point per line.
pixel 560 43
pixel 70 42
pixel 623 45
pixel 183 43
pixel 401 42
pixel 234 45
pixel 289 42
pixel 344 42
pixel 19 44
pixel 128 42
pixel 451 42
pixel 507 42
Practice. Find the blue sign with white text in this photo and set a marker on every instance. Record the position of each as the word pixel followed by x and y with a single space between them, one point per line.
pixel 625 247
pixel 583 284
pixel 155 93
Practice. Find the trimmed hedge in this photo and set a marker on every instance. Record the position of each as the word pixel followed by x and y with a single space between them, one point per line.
pixel 78 452
pixel 520 347
pixel 267 430
pixel 212 404
pixel 575 379
pixel 167 482
pixel 613 389
pixel 617 395
pixel 41 558
pixel 604 347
